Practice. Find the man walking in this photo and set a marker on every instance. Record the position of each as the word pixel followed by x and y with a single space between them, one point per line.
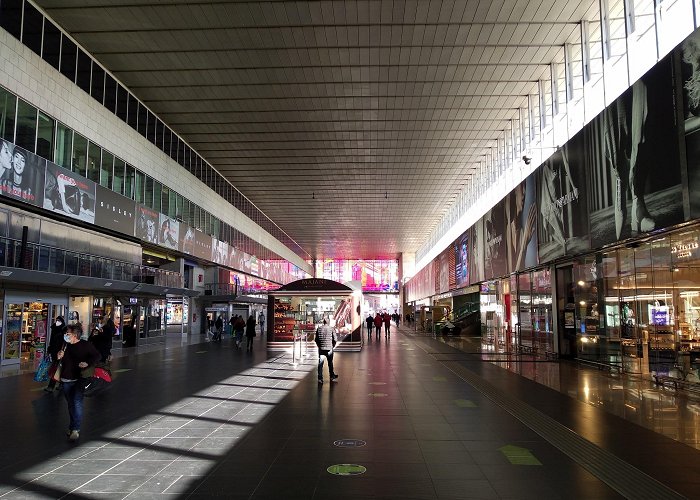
pixel 325 340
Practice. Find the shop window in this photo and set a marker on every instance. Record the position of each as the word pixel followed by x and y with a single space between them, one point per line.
pixel 80 145
pixel 106 169
pixel 51 51
pixel 69 54
pixel 8 107
pixel 11 17
pixel 26 126
pixel 97 84
pixel 44 141
pixel 118 180
pixel 32 28
pixel 84 70
pixel 94 161
pixel 64 146
pixel 122 107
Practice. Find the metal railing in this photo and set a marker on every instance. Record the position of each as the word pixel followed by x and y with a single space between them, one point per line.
pixel 44 258
pixel 231 289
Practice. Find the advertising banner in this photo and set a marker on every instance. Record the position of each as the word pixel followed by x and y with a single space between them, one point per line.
pixel 461 250
pixel 635 184
pixel 443 273
pixel 186 239
pixel 169 233
pixel 495 242
pixel 202 245
pixel 146 224
pixel 114 211
pixel 690 57
pixel 21 174
pixel 476 256
pixel 219 252
pixel 563 214
pixel 69 194
pixel 521 226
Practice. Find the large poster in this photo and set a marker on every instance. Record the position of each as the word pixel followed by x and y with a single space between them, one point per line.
pixel 169 232
pixel 219 252
pixel 146 224
pixel 563 215
pixel 21 174
pixel 114 211
pixel 635 184
pixel 521 226
pixel 495 242
pixel 475 237
pixel 202 245
pixel 461 249
pixel 690 56
pixel 69 194
pixel 186 240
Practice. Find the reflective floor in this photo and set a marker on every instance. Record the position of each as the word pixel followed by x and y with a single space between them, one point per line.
pixel 411 417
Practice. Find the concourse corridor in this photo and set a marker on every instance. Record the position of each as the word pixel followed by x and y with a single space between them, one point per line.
pixel 410 417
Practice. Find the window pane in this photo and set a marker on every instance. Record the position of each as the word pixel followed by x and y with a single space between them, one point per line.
pixel 179 207
pixel 32 29
pixel 79 154
pixel 143 120
pixel 52 44
pixel 122 99
pixel 64 146
pixel 26 126
pixel 8 104
pixel 175 147
pixel 84 67
pixel 44 142
pixel 93 162
pixel 641 41
pixel 594 90
pixel 129 182
pixel 106 169
pixel 151 128
pixel 575 90
pixel 187 159
pixel 674 21
pixel 165 200
pixel 148 196
pixel 69 53
pixel 615 68
pixel 110 98
pixel 157 195
pixel 139 185
pixel 11 17
pixel 97 85
pixel 118 180
pixel 133 107
pixel 181 153
pixel 167 138
pixel 172 203
pixel 159 134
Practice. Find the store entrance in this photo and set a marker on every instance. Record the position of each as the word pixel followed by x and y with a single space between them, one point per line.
pixel 27 330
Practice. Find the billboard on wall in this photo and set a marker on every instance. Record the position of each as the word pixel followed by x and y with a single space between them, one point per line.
pixel 202 245
pixel 461 251
pixel 169 232
pixel 690 74
pixel 114 211
pixel 186 239
pixel 634 173
pixel 521 226
pixel 219 252
pixel 443 271
pixel 563 215
pixel 476 254
pixel 21 174
pixel 69 194
pixel 495 241
pixel 146 227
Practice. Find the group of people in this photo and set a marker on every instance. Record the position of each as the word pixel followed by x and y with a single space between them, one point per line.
pixel 239 326
pixel 72 355
pixel 378 320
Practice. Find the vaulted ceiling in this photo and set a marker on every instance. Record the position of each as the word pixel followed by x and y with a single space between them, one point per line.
pixel 351 124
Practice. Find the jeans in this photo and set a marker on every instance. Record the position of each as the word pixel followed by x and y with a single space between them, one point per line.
pixel 74 398
pixel 321 355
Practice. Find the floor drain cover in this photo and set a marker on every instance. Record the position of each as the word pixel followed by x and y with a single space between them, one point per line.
pixel 346 469
pixel 349 443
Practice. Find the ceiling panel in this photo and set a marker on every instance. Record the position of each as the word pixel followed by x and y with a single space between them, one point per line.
pixel 351 124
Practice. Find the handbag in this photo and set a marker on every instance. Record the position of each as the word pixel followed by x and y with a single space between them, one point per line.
pixel 42 371
pixel 57 373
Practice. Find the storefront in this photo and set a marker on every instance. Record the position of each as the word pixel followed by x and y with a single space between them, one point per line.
pixel 298 308
pixel 25 324
pixel 177 312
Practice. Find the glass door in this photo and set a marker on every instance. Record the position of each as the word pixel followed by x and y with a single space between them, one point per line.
pixel 525 312
pixel 542 311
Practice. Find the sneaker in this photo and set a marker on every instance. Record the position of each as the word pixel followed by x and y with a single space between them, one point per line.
pixel 334 376
pixel 320 381
pixel 74 435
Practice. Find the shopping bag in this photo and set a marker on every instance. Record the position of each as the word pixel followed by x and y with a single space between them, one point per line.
pixel 56 375
pixel 42 372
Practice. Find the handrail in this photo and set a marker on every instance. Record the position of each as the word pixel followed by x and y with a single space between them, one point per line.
pixel 60 261
pixel 231 289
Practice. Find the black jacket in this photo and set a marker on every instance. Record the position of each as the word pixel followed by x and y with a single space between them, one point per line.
pixel 56 340
pixel 75 354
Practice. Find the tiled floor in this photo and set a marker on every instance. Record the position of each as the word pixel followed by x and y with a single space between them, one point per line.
pixel 205 421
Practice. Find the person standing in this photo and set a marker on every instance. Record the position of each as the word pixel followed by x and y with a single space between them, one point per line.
pixel 55 344
pixel 326 340
pixel 378 321
pixel 250 332
pixel 387 324
pixel 261 321
pixel 239 326
pixel 102 340
pixel 77 355
pixel 219 324
pixel 370 324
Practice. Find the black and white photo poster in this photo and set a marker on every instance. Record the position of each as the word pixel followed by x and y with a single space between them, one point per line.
pixel 21 174
pixel 475 236
pixel 114 211
pixel 186 240
pixel 495 242
pixel 69 194
pixel 219 252
pixel 169 232
pixel 563 217
pixel 634 174
pixel 521 226
pixel 146 224
pixel 690 57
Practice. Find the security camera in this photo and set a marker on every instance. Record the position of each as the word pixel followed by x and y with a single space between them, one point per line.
pixel 527 159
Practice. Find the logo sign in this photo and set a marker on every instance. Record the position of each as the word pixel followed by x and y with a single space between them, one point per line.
pixel 346 469
pixel 349 443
